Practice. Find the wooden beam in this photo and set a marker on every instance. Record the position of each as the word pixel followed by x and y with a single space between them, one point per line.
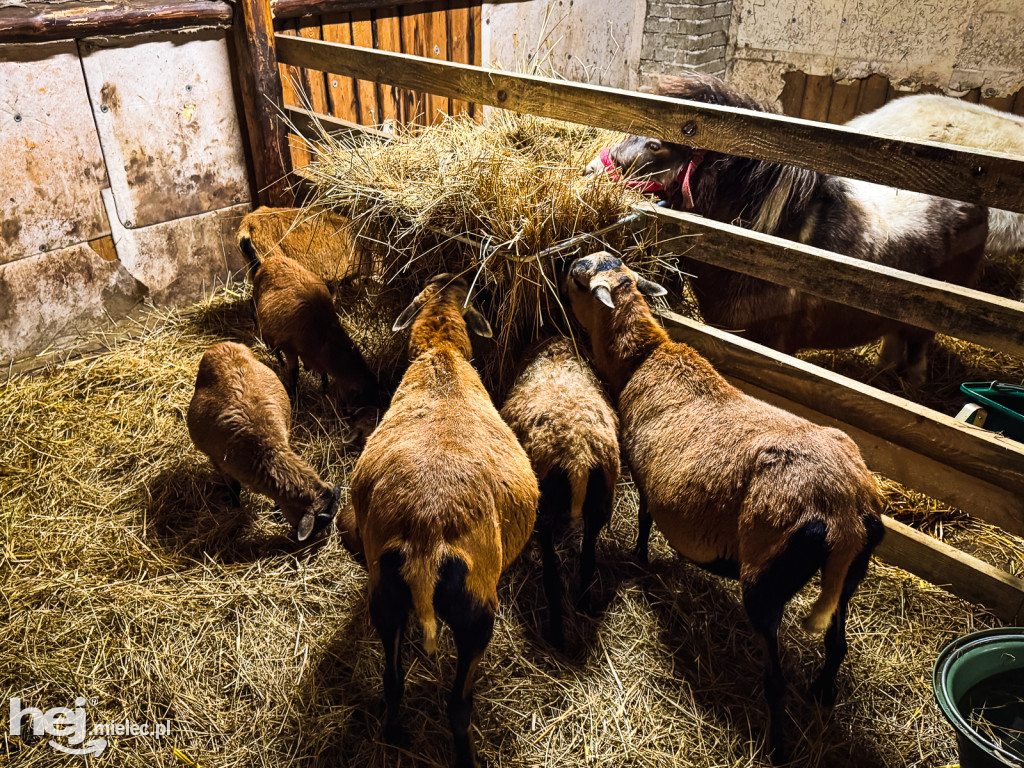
pixel 965 576
pixel 967 467
pixel 966 313
pixel 33 22
pixel 990 178
pixel 289 9
pixel 262 98
pixel 310 125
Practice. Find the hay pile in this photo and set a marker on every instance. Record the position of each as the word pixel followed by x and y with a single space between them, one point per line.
pixel 129 580
pixel 502 203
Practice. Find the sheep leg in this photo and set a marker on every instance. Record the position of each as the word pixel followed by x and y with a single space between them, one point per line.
pixel 552 586
pixel 597 509
pixel 766 614
pixel 643 535
pixel 323 383
pixel 471 640
pixel 555 498
pixel 472 621
pixel 914 367
pixel 234 491
pixel 234 487
pixel 390 604
pixel 824 686
pixel 292 373
pixel 765 595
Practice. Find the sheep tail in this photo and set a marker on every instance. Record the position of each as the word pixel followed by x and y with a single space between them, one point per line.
pixel 420 572
pixel 578 485
pixel 833 578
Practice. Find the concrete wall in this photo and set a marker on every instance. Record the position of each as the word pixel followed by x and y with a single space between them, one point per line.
pixel 589 41
pixel 956 45
pixel 123 177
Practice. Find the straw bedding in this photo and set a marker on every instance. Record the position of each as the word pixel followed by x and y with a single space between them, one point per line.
pixel 129 580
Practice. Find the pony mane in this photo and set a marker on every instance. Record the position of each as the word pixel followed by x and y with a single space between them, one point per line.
pixel 698 86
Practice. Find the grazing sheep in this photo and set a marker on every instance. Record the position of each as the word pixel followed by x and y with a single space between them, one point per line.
pixel 930 117
pixel 742 488
pixel 931 236
pixel 295 317
pixel 320 241
pixel 444 500
pixel 239 417
pixel 559 412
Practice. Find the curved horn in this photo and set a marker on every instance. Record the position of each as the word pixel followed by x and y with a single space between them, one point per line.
pixel 602 294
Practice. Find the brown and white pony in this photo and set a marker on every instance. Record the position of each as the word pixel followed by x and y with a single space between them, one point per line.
pixel 939 238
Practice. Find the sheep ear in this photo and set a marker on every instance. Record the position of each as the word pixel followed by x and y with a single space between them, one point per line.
pixel 602 294
pixel 405 319
pixel 477 323
pixel 650 288
pixel 306 526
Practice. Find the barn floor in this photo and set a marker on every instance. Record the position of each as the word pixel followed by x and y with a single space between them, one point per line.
pixel 134 584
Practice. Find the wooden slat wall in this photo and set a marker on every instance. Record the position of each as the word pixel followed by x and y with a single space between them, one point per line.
pixel 819 97
pixel 444 30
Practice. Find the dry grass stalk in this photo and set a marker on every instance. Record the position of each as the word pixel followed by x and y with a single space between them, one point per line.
pixel 128 578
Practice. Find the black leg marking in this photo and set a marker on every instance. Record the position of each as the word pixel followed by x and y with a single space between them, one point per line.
pixel 597 510
pixel 555 498
pixel 472 626
pixel 323 383
pixel 765 599
pixel 643 536
pixel 824 687
pixel 390 604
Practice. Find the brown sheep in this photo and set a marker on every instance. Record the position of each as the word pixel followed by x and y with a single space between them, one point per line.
pixel 239 417
pixel 444 500
pixel 559 412
pixel 740 487
pixel 295 317
pixel 320 240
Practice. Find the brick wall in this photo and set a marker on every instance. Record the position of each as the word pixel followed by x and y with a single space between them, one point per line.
pixel 684 35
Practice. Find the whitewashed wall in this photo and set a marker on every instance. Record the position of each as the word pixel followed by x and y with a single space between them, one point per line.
pixel 589 41
pixel 124 179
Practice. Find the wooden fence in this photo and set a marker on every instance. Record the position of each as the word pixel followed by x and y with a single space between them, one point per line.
pixel 445 31
pixel 974 470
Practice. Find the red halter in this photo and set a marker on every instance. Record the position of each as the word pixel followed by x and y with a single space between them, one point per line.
pixel 683 179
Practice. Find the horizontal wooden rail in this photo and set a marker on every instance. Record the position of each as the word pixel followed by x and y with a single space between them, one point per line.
pixel 977 176
pixel 948 567
pixel 969 468
pixel 34 22
pixel 311 125
pixel 968 314
pixel 290 9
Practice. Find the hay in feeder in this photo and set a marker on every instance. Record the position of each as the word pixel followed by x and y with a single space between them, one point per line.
pixel 128 579
pixel 503 203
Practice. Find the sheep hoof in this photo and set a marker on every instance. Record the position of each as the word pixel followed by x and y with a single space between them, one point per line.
pixel 824 692
pixel 395 735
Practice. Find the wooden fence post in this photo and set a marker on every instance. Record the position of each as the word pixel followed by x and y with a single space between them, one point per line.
pixel 262 99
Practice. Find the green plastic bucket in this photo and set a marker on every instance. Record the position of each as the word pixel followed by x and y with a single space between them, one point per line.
pixel 1004 404
pixel 971 660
